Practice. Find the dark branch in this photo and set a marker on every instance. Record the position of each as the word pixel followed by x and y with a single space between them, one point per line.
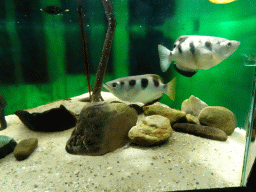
pixel 84 42
pixel 96 96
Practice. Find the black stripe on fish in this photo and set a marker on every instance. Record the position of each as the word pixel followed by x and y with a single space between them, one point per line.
pixel 192 48
pixel 144 83
pixel 179 49
pixel 121 83
pixel 132 82
pixel 208 45
pixel 156 82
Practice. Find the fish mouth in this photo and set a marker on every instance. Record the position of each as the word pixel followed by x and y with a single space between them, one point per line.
pixel 106 87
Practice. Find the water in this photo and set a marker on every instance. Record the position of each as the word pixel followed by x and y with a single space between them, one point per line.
pixel 42 61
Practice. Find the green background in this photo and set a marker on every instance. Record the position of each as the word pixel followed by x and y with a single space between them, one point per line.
pixel 41 54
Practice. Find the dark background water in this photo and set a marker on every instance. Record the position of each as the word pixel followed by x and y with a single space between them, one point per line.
pixel 41 55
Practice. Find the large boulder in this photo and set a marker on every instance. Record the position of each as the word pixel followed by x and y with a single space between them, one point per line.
pixel 219 117
pixel 102 127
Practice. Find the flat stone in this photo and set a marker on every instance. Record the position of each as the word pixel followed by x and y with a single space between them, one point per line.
pixel 7 145
pixel 219 117
pixel 102 127
pixel 193 105
pixel 151 130
pixel 24 148
pixel 201 131
pixel 172 114
pixel 55 119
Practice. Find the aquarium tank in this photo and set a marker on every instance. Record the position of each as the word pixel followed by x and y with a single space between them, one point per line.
pixel 42 62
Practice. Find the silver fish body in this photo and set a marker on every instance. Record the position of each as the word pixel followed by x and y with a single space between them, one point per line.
pixel 146 89
pixel 194 52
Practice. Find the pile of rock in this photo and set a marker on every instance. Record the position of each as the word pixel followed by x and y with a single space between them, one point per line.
pixel 195 117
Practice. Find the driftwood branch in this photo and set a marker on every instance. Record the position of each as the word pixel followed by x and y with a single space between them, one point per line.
pixel 84 45
pixel 96 96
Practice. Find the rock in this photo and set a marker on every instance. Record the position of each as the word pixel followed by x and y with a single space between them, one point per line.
pixel 55 119
pixel 201 131
pixel 24 148
pixel 192 119
pixel 193 105
pixel 219 117
pixel 152 130
pixel 7 145
pixel 172 114
pixel 102 127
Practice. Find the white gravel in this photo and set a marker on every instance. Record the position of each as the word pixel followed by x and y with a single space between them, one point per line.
pixel 185 162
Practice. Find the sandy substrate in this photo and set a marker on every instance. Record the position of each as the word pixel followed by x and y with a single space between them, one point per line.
pixel 184 162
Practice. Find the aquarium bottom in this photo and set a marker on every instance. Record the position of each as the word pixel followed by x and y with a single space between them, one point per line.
pixel 185 162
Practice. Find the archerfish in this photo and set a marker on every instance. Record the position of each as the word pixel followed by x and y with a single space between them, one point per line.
pixel 194 52
pixel 146 89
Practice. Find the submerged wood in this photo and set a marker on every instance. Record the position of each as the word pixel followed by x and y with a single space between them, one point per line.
pixel 201 131
pixel 96 95
pixel 3 104
pixel 102 127
pixel 55 119
pixel 84 42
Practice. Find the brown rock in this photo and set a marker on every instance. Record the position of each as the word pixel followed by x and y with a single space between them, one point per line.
pixel 152 130
pixel 172 114
pixel 219 117
pixel 102 127
pixel 24 148
pixel 201 131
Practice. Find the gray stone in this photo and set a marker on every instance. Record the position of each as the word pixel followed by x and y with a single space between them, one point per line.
pixel 151 130
pixel 219 117
pixel 201 131
pixel 24 148
pixel 193 105
pixel 7 145
pixel 172 114
pixel 192 119
pixel 102 127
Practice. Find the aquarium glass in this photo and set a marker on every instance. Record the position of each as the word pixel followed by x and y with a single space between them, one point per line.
pixel 42 62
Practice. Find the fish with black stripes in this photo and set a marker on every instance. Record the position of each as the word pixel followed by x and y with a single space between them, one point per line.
pixel 194 52
pixel 146 89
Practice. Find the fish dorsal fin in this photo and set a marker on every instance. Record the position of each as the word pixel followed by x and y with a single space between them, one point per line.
pixel 155 76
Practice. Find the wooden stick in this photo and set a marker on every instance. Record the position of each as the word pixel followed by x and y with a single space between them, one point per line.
pixel 96 96
pixel 84 42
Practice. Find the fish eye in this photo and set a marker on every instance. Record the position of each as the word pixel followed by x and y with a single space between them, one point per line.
pixel 229 44
pixel 114 85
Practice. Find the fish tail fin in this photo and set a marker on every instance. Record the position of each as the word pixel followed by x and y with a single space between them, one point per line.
pixel 171 88
pixel 164 55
